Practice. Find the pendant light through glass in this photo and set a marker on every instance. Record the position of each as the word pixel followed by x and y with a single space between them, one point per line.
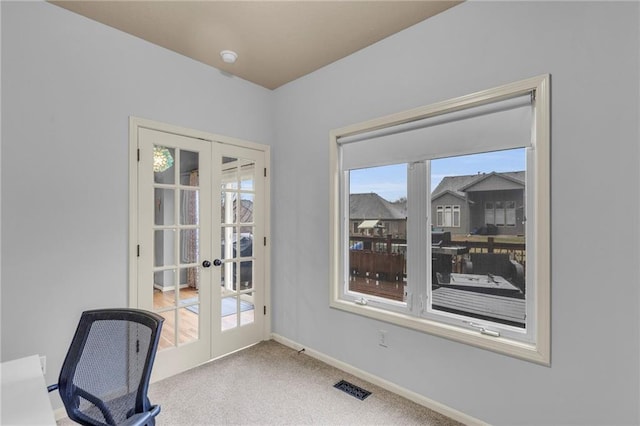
pixel 162 159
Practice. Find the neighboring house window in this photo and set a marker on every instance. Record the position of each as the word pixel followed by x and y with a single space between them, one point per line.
pixel 440 216
pixel 510 213
pixel 448 216
pixel 504 213
pixel 511 313
pixel 489 214
pixel 499 213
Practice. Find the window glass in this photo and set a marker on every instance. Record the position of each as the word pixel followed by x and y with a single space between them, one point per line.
pixel 377 245
pixel 479 276
pixel 499 213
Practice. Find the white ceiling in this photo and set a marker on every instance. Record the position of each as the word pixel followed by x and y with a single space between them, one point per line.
pixel 276 41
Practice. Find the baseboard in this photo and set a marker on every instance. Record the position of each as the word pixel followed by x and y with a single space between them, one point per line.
pixel 385 384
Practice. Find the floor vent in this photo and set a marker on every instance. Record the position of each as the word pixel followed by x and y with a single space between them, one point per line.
pixel 352 389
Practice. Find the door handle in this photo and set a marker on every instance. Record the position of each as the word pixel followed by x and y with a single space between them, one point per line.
pixel 217 262
pixel 206 264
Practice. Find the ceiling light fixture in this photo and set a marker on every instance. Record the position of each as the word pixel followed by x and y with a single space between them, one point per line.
pixel 229 56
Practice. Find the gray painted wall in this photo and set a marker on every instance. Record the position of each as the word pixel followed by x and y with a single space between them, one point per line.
pixel 69 86
pixel 592 51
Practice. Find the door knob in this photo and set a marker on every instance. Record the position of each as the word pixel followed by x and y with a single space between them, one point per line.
pixel 217 262
pixel 206 264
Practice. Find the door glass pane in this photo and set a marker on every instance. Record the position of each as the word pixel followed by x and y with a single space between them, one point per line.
pixel 189 165
pixel 189 284
pixel 378 243
pixel 245 212
pixel 189 326
pixel 163 289
pixel 228 243
pixel 189 248
pixel 163 168
pixel 247 173
pixel 247 309
pixel 164 213
pixel 228 276
pixel 168 334
pixel 229 312
pixel 480 269
pixel 189 205
pixel 246 275
pixel 164 253
pixel 229 173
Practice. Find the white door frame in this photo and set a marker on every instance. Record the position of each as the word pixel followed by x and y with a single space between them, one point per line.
pixel 135 123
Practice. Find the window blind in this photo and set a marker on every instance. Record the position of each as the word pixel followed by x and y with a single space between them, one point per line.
pixel 496 126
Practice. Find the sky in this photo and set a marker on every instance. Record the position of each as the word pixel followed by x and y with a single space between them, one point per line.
pixel 390 182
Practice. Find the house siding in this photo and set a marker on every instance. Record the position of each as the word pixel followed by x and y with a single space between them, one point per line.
pixel 478 210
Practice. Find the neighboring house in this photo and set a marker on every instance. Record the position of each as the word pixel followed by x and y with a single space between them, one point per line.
pixel 486 203
pixel 372 215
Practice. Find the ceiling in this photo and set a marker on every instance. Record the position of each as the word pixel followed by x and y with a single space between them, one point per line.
pixel 276 41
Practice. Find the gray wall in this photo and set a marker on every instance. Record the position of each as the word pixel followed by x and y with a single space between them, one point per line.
pixel 69 86
pixel 592 51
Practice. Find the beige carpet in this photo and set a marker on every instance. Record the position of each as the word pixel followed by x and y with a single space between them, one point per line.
pixel 271 384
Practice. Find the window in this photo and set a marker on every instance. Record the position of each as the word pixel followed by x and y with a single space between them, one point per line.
pixel 489 214
pixel 510 213
pixel 499 213
pixel 498 301
pixel 448 216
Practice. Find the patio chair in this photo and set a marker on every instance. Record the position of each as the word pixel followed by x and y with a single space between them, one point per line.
pixel 496 264
pixel 105 375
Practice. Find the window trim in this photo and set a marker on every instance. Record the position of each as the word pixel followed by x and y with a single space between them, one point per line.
pixel 540 350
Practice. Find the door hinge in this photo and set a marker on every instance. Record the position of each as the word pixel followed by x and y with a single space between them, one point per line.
pixel 265 241
pixel 265 310
pixel 138 250
pixel 265 172
pixel 138 154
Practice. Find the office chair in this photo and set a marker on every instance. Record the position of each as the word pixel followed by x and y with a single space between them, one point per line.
pixel 105 375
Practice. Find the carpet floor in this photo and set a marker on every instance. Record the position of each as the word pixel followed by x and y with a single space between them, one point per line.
pixel 271 384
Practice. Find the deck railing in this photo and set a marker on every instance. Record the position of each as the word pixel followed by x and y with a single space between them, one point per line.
pixel 390 245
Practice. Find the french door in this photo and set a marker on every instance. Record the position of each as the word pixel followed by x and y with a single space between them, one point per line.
pixel 201 244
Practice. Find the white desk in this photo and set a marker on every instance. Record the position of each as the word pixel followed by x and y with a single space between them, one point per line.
pixel 25 400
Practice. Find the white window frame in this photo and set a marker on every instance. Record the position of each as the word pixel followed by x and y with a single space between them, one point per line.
pixel 410 314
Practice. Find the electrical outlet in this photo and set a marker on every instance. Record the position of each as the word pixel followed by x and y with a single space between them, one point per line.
pixel 43 364
pixel 382 338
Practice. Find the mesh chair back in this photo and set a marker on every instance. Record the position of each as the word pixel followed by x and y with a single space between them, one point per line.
pixel 105 376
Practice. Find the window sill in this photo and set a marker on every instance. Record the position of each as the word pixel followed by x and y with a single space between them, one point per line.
pixel 539 354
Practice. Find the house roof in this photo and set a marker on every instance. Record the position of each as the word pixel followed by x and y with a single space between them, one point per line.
pixel 373 206
pixel 457 185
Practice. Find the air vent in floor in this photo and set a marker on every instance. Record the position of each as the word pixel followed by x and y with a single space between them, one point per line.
pixel 352 389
